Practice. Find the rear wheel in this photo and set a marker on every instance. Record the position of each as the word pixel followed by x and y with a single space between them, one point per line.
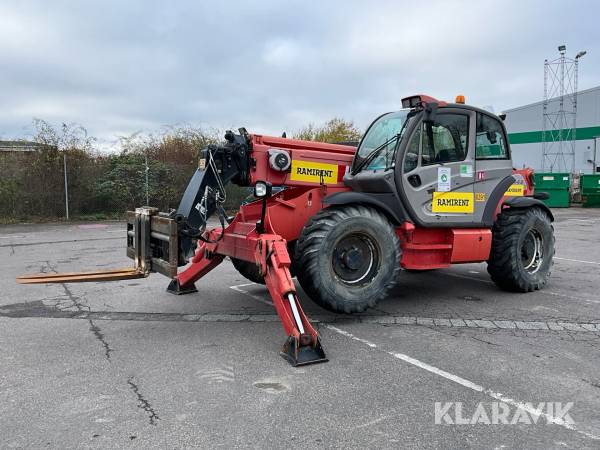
pixel 522 252
pixel 348 258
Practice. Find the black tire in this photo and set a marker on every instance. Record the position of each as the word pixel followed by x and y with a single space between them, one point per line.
pixel 248 270
pixel 348 258
pixel 522 252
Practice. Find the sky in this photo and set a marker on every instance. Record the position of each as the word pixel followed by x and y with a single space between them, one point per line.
pixel 121 67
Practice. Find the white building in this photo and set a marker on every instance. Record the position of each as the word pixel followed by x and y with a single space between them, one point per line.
pixel 525 125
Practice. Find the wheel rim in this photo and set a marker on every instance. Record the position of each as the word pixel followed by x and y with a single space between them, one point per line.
pixel 355 259
pixel 532 251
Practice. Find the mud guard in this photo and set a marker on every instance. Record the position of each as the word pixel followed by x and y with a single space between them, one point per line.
pixel 527 202
pixel 387 203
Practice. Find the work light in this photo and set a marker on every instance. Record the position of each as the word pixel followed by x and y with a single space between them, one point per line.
pixel 262 189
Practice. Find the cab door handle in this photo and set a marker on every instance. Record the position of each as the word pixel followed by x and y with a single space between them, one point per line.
pixel 414 180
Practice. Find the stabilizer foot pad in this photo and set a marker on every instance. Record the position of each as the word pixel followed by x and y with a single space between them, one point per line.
pixel 175 289
pixel 298 355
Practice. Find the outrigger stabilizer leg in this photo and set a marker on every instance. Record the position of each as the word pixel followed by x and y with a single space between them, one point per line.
pixel 269 252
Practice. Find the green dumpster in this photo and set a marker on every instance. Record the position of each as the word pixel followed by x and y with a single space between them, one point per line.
pixel 556 185
pixel 590 191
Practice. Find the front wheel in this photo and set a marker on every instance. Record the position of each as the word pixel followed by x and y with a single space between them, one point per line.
pixel 348 258
pixel 522 251
pixel 248 270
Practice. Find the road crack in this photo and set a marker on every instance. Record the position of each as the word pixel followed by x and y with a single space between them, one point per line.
pixel 142 402
pixel 76 302
pixel 95 329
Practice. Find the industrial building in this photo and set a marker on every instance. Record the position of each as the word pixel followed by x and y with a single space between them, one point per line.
pixel 525 126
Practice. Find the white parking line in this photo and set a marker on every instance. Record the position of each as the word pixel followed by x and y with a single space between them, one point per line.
pixel 238 288
pixel 578 260
pixel 528 407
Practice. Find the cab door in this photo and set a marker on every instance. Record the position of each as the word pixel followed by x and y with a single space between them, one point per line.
pixel 493 167
pixel 438 171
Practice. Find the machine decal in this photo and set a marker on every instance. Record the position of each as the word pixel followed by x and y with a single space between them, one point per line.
pixel 481 175
pixel 515 190
pixel 466 170
pixel 453 202
pixel 480 196
pixel 444 179
pixel 314 172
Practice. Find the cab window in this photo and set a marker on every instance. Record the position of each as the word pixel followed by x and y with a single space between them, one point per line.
pixel 490 142
pixel 380 132
pixel 445 139
pixel 411 157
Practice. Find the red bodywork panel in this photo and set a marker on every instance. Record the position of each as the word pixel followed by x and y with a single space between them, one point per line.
pixel 436 248
pixel 339 157
pixel 524 176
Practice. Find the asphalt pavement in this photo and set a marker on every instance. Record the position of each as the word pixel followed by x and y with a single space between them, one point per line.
pixel 125 364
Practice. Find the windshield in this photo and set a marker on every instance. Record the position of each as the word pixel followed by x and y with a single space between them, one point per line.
pixel 381 131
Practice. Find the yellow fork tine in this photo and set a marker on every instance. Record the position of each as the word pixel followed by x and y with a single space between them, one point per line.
pixel 82 277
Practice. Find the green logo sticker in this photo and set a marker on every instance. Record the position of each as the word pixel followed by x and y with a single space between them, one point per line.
pixel 466 170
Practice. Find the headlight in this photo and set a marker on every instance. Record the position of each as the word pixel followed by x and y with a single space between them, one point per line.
pixel 262 189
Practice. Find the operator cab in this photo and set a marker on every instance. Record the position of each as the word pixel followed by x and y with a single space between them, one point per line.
pixel 435 164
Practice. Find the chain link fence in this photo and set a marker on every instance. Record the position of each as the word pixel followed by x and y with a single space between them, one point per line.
pixel 54 181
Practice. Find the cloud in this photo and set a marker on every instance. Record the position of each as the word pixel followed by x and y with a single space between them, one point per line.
pixel 118 67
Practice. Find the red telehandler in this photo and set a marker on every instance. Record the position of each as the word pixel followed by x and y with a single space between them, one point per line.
pixel 429 186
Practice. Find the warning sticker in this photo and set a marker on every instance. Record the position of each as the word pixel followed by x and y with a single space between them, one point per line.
pixel 515 190
pixel 314 172
pixel 480 196
pixel 453 202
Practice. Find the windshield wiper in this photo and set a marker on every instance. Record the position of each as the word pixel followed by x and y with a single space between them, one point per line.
pixel 373 154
